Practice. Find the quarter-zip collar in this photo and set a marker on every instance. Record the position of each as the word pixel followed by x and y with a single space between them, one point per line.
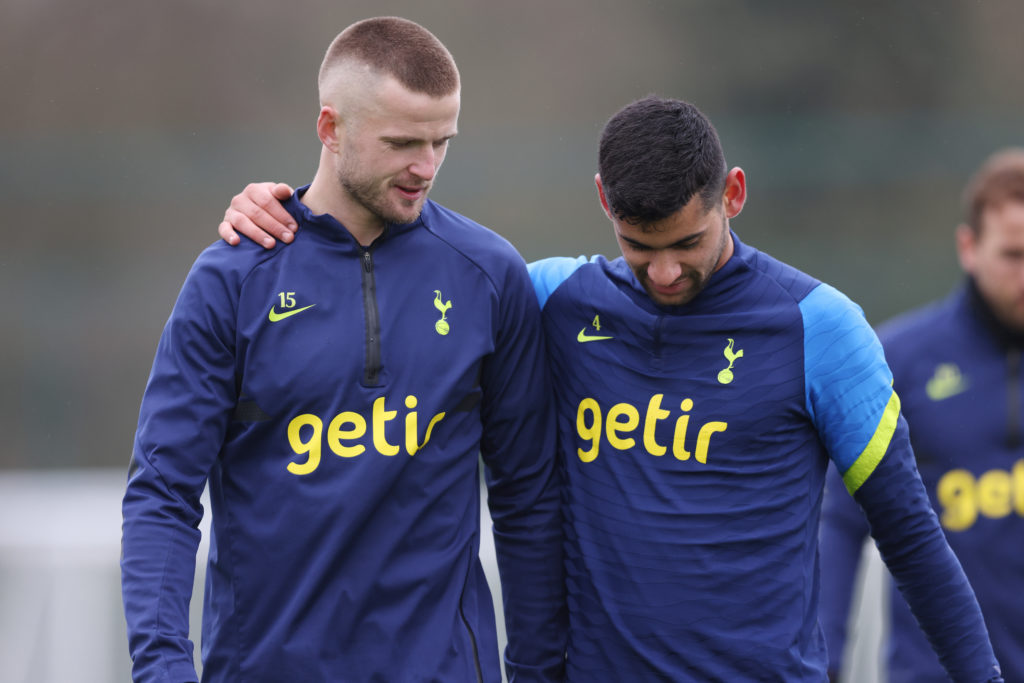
pixel 1006 337
pixel 1011 343
pixel 329 227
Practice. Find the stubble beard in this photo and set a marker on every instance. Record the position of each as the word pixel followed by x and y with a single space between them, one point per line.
pixel 698 279
pixel 697 284
pixel 372 194
pixel 1011 315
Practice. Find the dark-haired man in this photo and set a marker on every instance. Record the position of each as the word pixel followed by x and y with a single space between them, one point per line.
pixel 702 388
pixel 957 366
pixel 337 396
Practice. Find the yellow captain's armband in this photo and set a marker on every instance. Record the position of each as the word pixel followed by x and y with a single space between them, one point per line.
pixel 872 454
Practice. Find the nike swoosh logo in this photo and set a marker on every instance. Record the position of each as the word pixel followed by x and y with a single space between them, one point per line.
pixel 940 392
pixel 274 316
pixel 584 337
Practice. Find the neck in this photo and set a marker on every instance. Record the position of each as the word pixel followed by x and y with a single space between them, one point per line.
pixel 326 196
pixel 1006 335
pixel 728 250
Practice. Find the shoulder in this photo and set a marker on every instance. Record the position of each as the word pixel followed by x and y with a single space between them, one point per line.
pixel 848 383
pixel 483 252
pixel 479 245
pixel 235 263
pixel 917 325
pixel 548 274
pixel 838 341
pixel 766 271
pixel 217 279
pixel 826 304
pixel 835 328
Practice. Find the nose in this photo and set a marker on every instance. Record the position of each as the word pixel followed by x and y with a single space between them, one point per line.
pixel 663 270
pixel 426 162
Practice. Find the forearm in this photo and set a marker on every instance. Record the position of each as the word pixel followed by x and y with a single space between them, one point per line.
pixel 925 569
pixel 528 543
pixel 159 544
pixel 523 481
pixel 843 531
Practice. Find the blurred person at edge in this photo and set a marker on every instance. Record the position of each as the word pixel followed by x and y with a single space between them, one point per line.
pixel 957 367
pixel 338 396
pixel 702 388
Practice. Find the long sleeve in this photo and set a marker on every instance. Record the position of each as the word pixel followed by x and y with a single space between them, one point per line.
pixel 857 415
pixel 924 567
pixel 843 531
pixel 518 448
pixel 181 427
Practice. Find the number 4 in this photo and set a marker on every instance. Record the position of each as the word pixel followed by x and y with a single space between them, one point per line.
pixel 597 322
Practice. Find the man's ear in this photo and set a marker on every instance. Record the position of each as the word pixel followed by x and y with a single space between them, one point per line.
pixel 735 194
pixel 966 247
pixel 600 194
pixel 328 124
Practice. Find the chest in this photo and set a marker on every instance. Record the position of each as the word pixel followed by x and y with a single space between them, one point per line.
pixel 961 408
pixel 684 393
pixel 963 412
pixel 340 331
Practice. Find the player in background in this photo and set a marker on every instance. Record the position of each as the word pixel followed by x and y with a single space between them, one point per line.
pixel 702 388
pixel 337 396
pixel 957 368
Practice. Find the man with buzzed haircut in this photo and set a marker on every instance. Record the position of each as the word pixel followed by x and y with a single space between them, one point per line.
pixel 335 395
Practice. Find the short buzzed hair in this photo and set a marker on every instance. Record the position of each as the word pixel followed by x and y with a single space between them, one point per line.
pixel 999 180
pixel 655 155
pixel 397 47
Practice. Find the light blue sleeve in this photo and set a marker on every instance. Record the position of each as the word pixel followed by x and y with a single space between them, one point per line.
pixel 848 384
pixel 547 274
pixel 857 413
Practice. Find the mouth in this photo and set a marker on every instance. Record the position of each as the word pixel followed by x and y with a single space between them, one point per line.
pixel 412 193
pixel 670 290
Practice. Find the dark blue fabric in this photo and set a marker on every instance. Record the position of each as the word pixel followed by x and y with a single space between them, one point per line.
pixel 345 529
pixel 953 373
pixel 692 495
pixel 690 557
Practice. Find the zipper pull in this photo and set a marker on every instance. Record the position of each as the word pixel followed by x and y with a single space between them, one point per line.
pixel 367 261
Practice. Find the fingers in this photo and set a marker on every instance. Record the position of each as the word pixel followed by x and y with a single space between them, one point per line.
pixel 228 234
pixel 282 191
pixel 236 223
pixel 260 203
pixel 257 213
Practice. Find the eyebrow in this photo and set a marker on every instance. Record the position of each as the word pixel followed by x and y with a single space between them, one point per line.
pixel 689 239
pixel 403 140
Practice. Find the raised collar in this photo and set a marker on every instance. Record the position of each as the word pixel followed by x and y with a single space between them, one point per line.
pixel 1005 336
pixel 328 226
